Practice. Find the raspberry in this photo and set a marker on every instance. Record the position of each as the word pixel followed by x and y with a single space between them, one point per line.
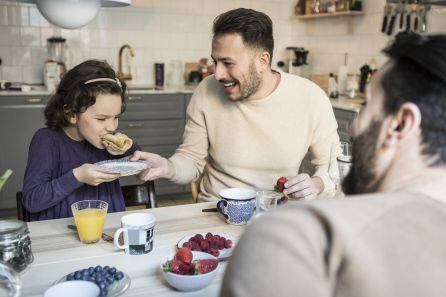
pixel 214 252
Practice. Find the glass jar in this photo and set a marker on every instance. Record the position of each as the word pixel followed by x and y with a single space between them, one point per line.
pixel 10 284
pixel 15 244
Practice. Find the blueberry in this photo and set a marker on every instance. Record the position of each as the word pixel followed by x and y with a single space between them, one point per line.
pixel 98 278
pixel 103 293
pixel 90 270
pixel 91 279
pixel 102 285
pixel 98 269
pixel 70 277
pixel 85 272
pixel 77 275
pixel 112 270
pixel 106 268
pixel 110 280
pixel 119 275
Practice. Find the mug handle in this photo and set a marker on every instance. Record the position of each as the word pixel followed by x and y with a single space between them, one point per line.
pixel 222 208
pixel 116 238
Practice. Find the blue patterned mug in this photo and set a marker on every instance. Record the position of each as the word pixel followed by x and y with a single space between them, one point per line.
pixel 237 205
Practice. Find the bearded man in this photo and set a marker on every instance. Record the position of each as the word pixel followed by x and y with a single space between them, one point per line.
pixel 248 125
pixel 389 243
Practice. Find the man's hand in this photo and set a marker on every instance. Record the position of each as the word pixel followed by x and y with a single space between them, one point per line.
pixel 93 175
pixel 303 186
pixel 161 167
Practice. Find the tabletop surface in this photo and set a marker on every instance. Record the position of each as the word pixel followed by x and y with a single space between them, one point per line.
pixel 58 251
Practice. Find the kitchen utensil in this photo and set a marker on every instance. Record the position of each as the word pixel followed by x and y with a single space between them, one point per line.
pixel 104 236
pixel 393 15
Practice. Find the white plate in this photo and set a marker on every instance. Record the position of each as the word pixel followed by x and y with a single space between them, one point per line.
pixel 115 289
pixel 224 253
pixel 124 167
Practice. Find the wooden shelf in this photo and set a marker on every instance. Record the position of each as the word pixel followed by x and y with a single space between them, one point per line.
pixel 329 15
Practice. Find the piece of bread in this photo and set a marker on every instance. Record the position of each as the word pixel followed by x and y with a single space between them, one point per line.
pixel 119 142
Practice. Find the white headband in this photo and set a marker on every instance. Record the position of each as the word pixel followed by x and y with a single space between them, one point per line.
pixel 116 80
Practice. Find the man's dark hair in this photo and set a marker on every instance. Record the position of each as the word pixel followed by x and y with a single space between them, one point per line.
pixel 418 75
pixel 73 96
pixel 256 28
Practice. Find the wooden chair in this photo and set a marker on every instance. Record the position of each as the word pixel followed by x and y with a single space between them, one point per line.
pixel 195 189
pixel 22 213
pixel 137 195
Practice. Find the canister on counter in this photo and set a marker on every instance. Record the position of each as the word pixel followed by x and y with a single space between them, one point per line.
pixel 15 244
pixel 159 75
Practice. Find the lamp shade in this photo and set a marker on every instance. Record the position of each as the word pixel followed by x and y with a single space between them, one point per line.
pixel 69 14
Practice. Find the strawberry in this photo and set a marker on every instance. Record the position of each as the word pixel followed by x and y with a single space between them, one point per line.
pixel 205 265
pixel 280 184
pixel 184 255
pixel 179 267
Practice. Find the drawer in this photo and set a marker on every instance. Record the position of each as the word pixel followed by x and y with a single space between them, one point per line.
pixel 37 100
pixel 154 106
pixel 149 133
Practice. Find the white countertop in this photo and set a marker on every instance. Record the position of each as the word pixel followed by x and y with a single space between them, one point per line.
pixel 340 103
pixel 58 251
pixel 136 89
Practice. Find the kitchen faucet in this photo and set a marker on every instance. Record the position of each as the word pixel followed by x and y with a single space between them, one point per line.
pixel 121 74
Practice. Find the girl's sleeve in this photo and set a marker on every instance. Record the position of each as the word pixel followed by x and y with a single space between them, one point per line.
pixel 41 188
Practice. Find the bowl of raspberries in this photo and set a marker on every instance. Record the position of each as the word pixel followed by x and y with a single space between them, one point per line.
pixel 188 270
pixel 218 245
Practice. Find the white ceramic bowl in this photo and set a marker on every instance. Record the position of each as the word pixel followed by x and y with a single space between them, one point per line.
pixel 73 288
pixel 187 283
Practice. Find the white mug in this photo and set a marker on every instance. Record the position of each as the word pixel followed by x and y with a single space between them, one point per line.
pixel 137 229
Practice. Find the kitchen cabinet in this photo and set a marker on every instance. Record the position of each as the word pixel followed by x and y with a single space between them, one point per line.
pixel 155 121
pixel 344 118
pixel 20 118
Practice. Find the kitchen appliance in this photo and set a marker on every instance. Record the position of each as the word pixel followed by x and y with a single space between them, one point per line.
pixel 297 61
pixel 55 64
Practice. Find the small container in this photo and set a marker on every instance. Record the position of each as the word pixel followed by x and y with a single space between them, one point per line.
pixel 15 244
pixel 159 75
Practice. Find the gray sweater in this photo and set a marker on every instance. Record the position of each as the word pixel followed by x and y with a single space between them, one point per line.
pixel 391 244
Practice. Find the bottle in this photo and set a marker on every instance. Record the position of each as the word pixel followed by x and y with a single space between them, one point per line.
pixel 342 76
pixel 332 87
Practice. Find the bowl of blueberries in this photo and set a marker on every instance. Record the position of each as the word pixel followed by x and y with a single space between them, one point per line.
pixel 110 281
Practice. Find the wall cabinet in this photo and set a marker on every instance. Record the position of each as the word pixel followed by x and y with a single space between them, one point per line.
pixel 155 121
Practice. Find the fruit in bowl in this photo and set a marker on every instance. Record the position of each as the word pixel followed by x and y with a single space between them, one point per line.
pixel 188 270
pixel 279 187
pixel 210 243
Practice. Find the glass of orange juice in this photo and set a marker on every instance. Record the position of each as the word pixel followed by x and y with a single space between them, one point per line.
pixel 89 216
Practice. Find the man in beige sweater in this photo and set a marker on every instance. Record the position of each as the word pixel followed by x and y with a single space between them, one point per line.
pixel 248 125
pixel 388 244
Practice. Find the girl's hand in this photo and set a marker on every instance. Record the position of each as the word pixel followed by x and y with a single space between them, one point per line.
pixel 93 175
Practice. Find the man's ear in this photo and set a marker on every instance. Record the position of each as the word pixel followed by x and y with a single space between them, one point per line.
pixel 264 60
pixel 404 124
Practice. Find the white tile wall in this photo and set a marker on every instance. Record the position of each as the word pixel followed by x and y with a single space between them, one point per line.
pixel 166 30
pixel 360 37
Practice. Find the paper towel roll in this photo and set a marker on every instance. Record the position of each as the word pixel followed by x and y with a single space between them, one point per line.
pixel 342 79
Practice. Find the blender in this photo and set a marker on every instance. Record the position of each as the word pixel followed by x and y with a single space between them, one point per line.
pixel 55 64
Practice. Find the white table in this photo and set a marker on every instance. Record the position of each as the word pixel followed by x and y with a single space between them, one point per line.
pixel 58 251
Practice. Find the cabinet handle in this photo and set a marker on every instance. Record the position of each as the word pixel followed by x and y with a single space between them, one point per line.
pixel 135 125
pixel 33 100
pixel 135 98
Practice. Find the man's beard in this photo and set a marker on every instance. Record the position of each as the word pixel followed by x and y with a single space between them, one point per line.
pixel 362 177
pixel 251 83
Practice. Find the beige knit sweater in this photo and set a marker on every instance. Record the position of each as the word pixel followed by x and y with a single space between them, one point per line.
pixel 376 245
pixel 251 143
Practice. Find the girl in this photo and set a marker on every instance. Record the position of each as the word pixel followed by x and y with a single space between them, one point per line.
pixel 60 170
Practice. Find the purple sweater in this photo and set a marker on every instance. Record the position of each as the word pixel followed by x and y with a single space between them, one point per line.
pixel 50 187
